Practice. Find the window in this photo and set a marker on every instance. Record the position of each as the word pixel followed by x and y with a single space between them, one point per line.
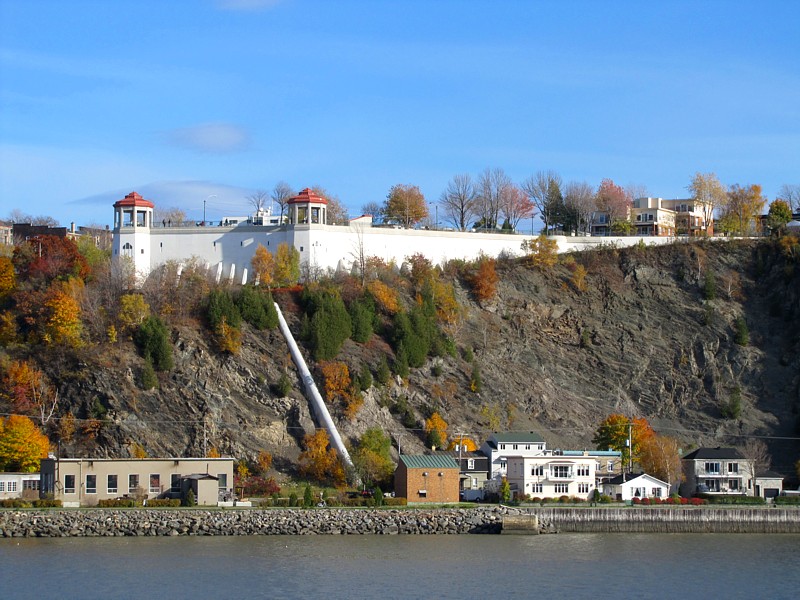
pixel 560 471
pixel 223 481
pixel 562 488
pixel 91 484
pixel 583 488
pixel 610 466
pixel 470 464
pixel 111 484
pixel 656 492
pixel 30 484
pixel 733 484
pixel 2 486
pixel 513 446
pixel 155 483
pixel 733 467
pixel 527 446
pixel 502 446
pixel 712 468
pixel 536 488
pixel 69 484
pixel 12 486
pixel 423 493
pixel 133 484
pixel 503 463
pixel 583 470
pixel 537 470
pixel 175 482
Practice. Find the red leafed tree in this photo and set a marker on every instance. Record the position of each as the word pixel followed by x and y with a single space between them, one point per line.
pixel 515 206
pixel 48 257
pixel 614 200
pixel 484 280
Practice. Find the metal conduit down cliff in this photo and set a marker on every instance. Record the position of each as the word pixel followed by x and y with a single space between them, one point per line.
pixel 312 393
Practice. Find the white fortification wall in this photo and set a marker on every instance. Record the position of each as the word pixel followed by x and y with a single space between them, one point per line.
pixel 228 250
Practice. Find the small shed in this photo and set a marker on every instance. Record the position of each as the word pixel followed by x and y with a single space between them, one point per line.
pixel 205 488
pixel 427 478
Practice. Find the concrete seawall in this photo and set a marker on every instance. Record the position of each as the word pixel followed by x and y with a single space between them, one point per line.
pixel 670 520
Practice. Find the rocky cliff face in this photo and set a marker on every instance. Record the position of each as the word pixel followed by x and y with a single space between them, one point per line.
pixel 641 340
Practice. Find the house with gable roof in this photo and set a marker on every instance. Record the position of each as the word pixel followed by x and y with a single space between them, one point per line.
pixel 627 486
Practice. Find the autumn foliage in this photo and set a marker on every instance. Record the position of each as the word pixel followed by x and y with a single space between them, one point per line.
pixel 319 462
pixel 384 296
pixel 484 281
pixel 22 445
pixel 436 430
pixel 542 252
pixel 613 434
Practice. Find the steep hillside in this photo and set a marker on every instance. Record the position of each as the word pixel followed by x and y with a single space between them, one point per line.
pixel 642 339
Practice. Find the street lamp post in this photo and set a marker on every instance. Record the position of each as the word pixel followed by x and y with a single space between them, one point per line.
pixel 204 206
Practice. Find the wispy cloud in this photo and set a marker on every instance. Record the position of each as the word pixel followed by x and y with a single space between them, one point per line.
pixel 247 5
pixel 217 138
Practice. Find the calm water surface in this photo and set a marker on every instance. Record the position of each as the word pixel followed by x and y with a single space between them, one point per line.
pixel 623 566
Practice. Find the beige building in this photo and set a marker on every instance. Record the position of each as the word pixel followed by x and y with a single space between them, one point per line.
pixel 86 481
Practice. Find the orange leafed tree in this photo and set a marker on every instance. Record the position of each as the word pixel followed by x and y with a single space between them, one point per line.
pixel 466 444
pixel 22 445
pixel 484 280
pixel 319 462
pixel 385 297
pixel 337 380
pixel 659 455
pixel 613 434
pixel 20 385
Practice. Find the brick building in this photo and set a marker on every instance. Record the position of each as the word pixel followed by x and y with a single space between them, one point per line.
pixel 427 478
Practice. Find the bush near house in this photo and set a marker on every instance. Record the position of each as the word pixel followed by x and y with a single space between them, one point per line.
pixel 730 499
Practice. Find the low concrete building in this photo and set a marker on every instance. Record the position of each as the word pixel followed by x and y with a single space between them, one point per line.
pixel 19 485
pixel 86 481
pixel 427 478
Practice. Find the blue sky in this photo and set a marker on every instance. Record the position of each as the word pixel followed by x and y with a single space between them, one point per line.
pixel 184 99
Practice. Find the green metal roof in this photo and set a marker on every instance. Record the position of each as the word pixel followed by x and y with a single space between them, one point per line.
pixel 521 437
pixel 428 461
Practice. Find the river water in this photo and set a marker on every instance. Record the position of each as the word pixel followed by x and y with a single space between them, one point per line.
pixel 623 566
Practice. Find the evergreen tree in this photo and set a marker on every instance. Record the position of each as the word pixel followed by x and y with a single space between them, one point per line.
pixel 362 315
pixel 152 339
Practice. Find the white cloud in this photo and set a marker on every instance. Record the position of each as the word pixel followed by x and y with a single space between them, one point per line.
pixel 219 138
pixel 247 5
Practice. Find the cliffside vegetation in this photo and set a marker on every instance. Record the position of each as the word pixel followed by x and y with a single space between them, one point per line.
pixel 699 338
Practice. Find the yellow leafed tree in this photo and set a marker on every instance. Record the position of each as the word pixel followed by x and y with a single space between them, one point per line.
pixel 133 310
pixel 63 325
pixel 8 280
pixel 436 428
pixel 22 445
pixel 263 265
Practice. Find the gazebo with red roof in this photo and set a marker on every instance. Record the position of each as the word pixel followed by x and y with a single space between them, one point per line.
pixel 308 208
pixel 133 211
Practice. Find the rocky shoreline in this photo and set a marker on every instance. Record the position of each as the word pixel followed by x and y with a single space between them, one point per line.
pixel 198 522
pixel 102 522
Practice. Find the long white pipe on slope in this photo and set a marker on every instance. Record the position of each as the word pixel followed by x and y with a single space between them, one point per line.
pixel 312 393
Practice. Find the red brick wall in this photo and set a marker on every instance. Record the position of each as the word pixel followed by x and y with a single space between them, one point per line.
pixel 442 488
